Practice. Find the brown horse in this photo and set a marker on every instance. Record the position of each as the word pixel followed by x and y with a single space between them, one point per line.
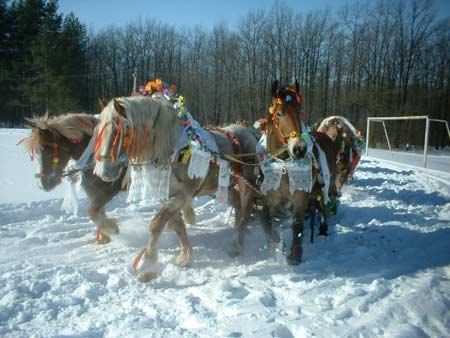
pixel 349 146
pixel 58 139
pixel 149 130
pixel 284 131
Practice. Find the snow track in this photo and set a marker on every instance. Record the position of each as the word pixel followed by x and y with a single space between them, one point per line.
pixel 384 271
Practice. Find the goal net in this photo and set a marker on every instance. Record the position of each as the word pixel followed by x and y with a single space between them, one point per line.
pixel 407 134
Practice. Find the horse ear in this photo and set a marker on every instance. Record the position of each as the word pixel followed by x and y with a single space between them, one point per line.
pixel 297 87
pixel 31 123
pixel 118 107
pixel 275 88
pixel 101 103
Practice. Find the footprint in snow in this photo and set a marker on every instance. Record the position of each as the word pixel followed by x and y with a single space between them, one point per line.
pixel 282 331
pixel 268 299
pixel 227 290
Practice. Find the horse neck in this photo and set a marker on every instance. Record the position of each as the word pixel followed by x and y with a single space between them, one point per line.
pixel 77 149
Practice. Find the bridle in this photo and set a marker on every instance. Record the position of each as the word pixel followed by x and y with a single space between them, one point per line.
pixel 276 112
pixel 123 137
pixel 55 157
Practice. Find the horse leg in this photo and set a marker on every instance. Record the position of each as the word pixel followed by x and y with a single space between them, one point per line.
pixel 312 212
pixel 169 209
pixel 97 215
pixel 189 213
pixel 323 228
pixel 272 236
pixel 105 226
pixel 177 224
pixel 300 203
pixel 242 215
pixel 99 194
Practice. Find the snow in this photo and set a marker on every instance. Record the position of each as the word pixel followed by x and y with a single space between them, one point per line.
pixel 17 172
pixel 384 271
pixel 436 160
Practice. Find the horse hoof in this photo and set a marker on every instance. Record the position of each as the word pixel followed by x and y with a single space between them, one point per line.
pixel 184 257
pixel 112 226
pixel 145 277
pixel 295 257
pixel 294 260
pixel 323 231
pixel 235 250
pixel 102 239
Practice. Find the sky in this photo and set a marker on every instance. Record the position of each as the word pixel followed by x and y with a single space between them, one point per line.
pixel 99 14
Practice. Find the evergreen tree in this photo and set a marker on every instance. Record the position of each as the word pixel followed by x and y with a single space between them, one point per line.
pixel 26 18
pixel 73 44
pixel 43 62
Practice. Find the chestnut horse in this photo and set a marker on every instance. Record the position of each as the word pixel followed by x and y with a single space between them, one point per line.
pixel 55 141
pixel 149 130
pixel 349 144
pixel 286 130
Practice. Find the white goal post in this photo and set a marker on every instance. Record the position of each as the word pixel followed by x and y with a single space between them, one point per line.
pixel 398 118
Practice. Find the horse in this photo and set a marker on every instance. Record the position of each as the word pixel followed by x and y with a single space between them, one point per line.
pixel 151 130
pixel 56 140
pixel 287 137
pixel 349 144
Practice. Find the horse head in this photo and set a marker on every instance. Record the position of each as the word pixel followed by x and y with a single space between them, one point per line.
pixel 284 123
pixel 135 129
pixel 113 138
pixel 51 150
pixel 332 126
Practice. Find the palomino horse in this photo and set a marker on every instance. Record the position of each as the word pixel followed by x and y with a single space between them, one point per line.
pixel 58 139
pixel 349 145
pixel 284 130
pixel 149 130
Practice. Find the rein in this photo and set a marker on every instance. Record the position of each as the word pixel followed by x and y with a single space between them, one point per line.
pixel 273 156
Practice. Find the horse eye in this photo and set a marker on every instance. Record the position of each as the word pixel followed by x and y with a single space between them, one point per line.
pixel 279 113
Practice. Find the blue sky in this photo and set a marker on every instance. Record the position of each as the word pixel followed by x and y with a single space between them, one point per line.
pixel 98 14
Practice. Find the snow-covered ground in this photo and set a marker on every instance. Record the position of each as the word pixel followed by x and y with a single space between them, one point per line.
pixel 383 272
pixel 436 160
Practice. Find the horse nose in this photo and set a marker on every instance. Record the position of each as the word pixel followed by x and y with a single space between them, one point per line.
pixel 299 150
pixel 47 183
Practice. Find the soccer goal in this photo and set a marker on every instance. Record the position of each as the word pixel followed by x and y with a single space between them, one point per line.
pixel 382 120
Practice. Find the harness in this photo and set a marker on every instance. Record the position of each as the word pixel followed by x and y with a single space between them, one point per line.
pixel 273 110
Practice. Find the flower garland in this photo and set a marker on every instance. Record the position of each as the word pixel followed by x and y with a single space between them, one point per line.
pixel 157 85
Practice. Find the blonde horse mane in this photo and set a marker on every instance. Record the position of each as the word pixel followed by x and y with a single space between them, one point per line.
pixel 146 130
pixel 71 125
pixel 325 124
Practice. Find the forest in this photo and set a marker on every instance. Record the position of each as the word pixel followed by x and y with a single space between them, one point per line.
pixel 369 58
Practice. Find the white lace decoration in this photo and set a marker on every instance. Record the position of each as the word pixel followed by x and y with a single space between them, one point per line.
pixel 199 163
pixel 148 181
pixel 70 203
pixel 272 176
pixel 300 175
pixel 224 181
